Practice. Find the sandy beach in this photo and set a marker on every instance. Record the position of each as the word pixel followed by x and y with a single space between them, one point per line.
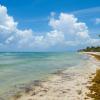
pixel 49 49
pixel 70 84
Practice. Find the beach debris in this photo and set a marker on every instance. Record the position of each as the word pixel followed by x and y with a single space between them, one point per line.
pixel 58 72
pixel 79 92
pixel 37 83
pixel 16 96
pixel 28 89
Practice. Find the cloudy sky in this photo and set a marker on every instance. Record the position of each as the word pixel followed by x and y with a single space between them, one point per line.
pixel 49 25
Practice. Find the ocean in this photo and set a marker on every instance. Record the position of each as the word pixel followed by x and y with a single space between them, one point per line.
pixel 23 67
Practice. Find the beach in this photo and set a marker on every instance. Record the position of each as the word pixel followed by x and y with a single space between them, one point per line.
pixel 49 49
pixel 70 84
pixel 20 69
pixel 62 83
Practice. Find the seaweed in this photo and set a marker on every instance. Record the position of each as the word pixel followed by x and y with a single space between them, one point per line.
pixel 95 87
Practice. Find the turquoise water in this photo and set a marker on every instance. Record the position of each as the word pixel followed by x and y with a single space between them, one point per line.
pixel 19 68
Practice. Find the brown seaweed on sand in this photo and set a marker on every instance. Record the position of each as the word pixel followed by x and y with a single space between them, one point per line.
pixel 95 87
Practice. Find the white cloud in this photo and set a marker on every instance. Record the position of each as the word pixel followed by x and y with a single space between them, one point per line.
pixel 68 24
pixel 97 21
pixel 74 32
pixel 66 31
pixel 7 26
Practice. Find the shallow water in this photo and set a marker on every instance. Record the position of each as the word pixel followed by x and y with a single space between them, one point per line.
pixel 20 68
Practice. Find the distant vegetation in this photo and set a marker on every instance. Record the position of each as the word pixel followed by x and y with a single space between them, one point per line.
pixel 91 49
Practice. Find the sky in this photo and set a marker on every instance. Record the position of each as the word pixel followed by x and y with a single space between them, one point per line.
pixel 49 25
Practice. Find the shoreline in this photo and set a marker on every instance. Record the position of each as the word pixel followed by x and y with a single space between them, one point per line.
pixel 70 84
pixel 96 55
pixel 94 87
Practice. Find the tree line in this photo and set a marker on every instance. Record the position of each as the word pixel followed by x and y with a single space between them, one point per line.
pixel 91 49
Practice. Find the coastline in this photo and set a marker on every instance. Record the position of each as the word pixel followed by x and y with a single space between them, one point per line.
pixel 96 55
pixel 70 84
pixel 94 87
